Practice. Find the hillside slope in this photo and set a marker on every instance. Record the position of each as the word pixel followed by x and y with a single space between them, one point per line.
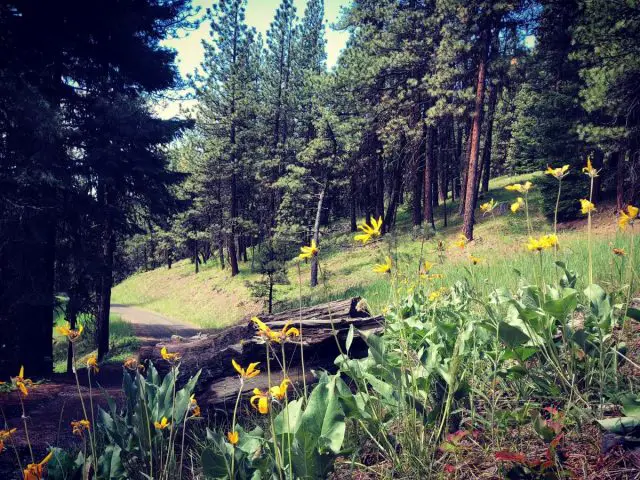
pixel 212 298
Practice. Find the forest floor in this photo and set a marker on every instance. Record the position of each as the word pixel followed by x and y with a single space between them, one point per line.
pixel 52 404
pixel 214 299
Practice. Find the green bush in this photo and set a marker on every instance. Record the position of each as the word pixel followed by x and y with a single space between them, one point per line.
pixel 574 187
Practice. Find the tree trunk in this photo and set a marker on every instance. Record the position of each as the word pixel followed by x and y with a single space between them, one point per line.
pixel 598 163
pixel 417 190
pixel 71 315
pixel 221 253
pixel 231 245
pixel 270 304
pixel 464 168
pixel 106 280
pixel 196 258
pixel 322 326
pixel 486 151
pixel 442 173
pixel 390 217
pixel 472 168
pixel 429 135
pixel 617 162
pixel 380 188
pixel 316 236
pixel 352 204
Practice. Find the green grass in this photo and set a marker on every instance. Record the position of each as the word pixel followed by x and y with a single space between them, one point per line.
pixel 122 343
pixel 212 298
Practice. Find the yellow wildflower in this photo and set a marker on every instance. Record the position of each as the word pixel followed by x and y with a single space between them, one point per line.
pixel 559 172
pixel 369 232
pixel 279 392
pixel 461 242
pixel 426 267
pixel 475 260
pixel 488 207
pixel 628 216
pixel 589 170
pixel 92 364
pixel 162 424
pixel 433 296
pixel 194 407
pixel 22 384
pixel 586 206
pixel 517 204
pixel 260 401
pixel 169 357
pixel 383 267
pixel 80 426
pixel 130 363
pixel 267 334
pixel 35 471
pixel 550 240
pixel 520 188
pixel 250 372
pixel 619 252
pixel 535 245
pixel 72 335
pixel 233 437
pixel 542 243
pixel 310 251
pixel 434 276
pixel 5 435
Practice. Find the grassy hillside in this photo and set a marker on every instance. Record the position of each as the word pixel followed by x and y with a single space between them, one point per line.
pixel 212 298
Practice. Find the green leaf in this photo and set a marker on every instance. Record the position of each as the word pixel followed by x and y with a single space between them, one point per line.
pixel 562 307
pixel 620 425
pixel 349 340
pixel 634 314
pixel 214 464
pixel 631 405
pixel 511 336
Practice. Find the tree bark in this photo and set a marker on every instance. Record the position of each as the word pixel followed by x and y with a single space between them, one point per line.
pixel 472 168
pixel 617 162
pixel 429 135
pixel 486 151
pixel 352 204
pixel 380 188
pixel 322 325
pixel 316 236
pixel 417 190
pixel 464 168
pixel 106 280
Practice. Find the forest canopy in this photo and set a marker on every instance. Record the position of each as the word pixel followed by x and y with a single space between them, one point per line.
pixel 428 101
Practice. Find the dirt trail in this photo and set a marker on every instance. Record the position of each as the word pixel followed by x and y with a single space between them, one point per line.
pixel 53 404
pixel 150 327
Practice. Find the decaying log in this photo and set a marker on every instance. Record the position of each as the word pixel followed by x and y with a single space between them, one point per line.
pixel 321 325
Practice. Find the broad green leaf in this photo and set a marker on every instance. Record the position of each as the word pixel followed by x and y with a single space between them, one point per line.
pixel 634 314
pixel 512 336
pixel 214 464
pixel 620 425
pixel 631 405
pixel 562 307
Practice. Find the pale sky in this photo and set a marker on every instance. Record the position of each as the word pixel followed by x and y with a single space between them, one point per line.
pixel 259 14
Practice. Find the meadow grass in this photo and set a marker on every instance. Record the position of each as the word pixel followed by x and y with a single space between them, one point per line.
pixel 214 299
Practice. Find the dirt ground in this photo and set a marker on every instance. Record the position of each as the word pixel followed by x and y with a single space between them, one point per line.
pixel 53 403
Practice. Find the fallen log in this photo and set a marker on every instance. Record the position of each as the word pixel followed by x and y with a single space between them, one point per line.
pixel 322 328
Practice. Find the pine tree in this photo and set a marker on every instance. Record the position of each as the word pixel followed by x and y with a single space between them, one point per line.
pixel 225 110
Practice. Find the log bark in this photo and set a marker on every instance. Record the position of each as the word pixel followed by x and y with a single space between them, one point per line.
pixel 212 353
